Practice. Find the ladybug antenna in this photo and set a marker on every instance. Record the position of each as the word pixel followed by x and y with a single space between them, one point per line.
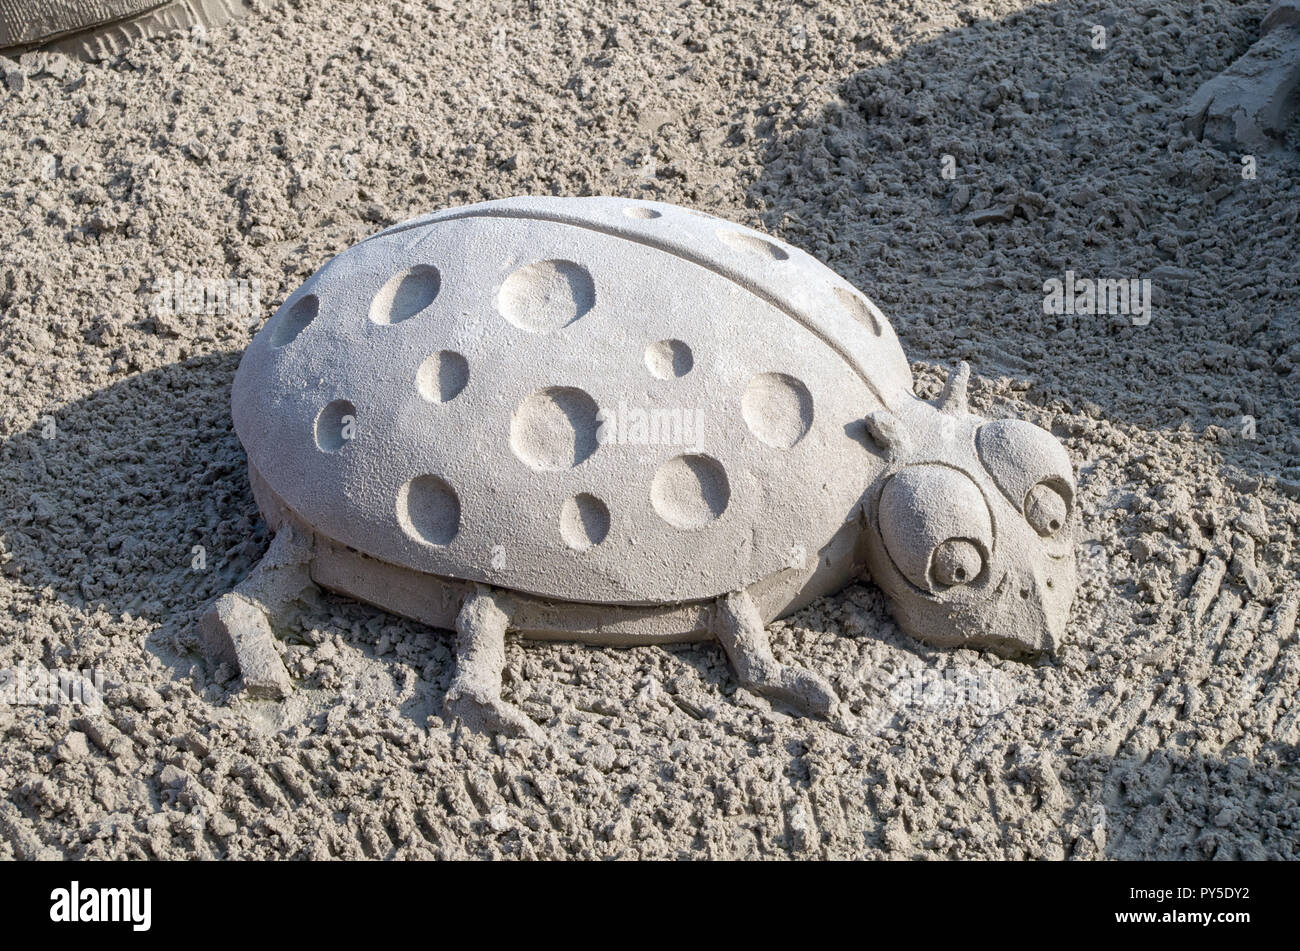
pixel 885 432
pixel 953 400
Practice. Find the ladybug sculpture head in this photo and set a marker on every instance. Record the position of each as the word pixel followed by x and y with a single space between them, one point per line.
pixel 971 529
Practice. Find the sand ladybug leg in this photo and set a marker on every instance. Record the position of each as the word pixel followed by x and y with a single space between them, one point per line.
pixel 475 692
pixel 236 630
pixel 739 628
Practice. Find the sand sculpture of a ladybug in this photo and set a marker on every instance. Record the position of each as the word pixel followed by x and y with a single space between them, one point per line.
pixel 624 422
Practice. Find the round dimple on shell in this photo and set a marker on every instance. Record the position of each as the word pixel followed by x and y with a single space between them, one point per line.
pixel 690 491
pixel 555 428
pixel 753 244
pixel 544 296
pixel 442 376
pixel 295 320
pixel 861 310
pixel 777 408
pixel 641 212
pixel 667 359
pixel 335 425
pixel 584 521
pixel 406 294
pixel 428 510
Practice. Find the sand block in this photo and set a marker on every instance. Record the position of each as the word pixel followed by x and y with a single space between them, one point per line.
pixel 1255 99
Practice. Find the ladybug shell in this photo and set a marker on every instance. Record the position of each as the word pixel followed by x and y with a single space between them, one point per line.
pixel 589 399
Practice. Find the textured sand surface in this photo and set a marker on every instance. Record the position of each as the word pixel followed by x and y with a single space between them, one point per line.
pixel 1168 725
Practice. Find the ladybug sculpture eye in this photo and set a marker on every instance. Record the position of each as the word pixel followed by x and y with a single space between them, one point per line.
pixel 1032 470
pixel 956 561
pixel 935 526
pixel 1046 509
